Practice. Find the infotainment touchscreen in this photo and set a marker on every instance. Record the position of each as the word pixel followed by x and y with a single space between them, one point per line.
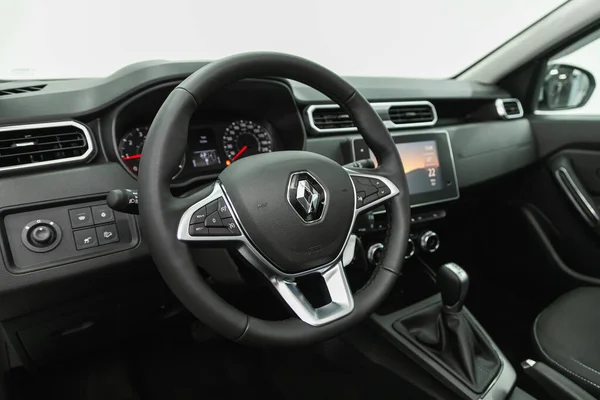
pixel 421 165
pixel 428 163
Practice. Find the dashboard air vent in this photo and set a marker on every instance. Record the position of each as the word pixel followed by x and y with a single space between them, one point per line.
pixel 509 108
pixel 402 114
pixel 26 89
pixel 26 146
pixel 412 114
pixel 332 119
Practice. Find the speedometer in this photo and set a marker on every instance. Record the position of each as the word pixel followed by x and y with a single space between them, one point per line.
pixel 244 138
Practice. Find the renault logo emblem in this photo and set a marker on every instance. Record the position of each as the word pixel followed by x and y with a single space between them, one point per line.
pixel 306 196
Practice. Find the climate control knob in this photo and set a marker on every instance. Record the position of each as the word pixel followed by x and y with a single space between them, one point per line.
pixel 410 249
pixel 41 235
pixel 429 241
pixel 374 253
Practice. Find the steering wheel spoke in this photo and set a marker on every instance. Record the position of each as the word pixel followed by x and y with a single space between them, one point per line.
pixel 333 275
pixel 371 189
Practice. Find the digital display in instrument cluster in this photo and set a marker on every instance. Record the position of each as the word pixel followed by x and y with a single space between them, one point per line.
pixel 206 154
pixel 203 149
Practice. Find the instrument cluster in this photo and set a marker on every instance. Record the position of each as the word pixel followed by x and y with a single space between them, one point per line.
pixel 210 148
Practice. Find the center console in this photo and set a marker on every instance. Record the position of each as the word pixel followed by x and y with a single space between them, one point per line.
pixel 427 321
pixel 445 339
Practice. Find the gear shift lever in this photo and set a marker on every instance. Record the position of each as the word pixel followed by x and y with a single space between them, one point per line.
pixel 453 283
pixel 447 334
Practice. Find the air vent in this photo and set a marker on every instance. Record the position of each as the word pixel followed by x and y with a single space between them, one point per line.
pixel 509 108
pixel 26 146
pixel 331 118
pixel 412 114
pixel 21 90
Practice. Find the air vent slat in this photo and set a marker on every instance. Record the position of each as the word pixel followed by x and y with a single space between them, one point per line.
pixel 24 146
pixel 332 118
pixel 411 114
pixel 21 90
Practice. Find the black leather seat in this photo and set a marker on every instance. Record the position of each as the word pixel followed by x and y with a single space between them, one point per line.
pixel 567 335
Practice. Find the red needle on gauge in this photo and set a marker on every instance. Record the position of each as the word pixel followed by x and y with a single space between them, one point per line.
pixel 133 157
pixel 239 153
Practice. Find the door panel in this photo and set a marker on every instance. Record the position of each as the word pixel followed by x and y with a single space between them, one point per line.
pixel 564 191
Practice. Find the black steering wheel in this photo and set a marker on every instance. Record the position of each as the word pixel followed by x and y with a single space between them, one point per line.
pixel 288 213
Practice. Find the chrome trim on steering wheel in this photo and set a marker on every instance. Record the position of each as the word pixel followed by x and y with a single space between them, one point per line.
pixel 333 274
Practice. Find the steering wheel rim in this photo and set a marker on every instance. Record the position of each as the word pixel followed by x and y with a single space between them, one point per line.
pixel 161 214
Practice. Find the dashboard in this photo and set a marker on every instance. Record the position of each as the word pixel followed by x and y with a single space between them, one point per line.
pixel 95 254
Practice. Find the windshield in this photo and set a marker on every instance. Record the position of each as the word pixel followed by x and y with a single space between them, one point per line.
pixel 53 39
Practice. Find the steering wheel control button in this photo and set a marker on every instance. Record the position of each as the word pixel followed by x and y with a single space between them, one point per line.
pixel 360 198
pixel 213 220
pixel 363 184
pixel 199 216
pixel 223 209
pixel 219 231
pixel 198 230
pixel 107 234
pixel 85 239
pixel 370 199
pixel 384 191
pixel 212 207
pixel 377 183
pixel 230 224
pixel 41 235
pixel 362 180
pixel 102 214
pixel 81 217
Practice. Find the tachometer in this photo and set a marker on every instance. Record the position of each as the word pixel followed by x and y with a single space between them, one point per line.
pixel 244 138
pixel 130 149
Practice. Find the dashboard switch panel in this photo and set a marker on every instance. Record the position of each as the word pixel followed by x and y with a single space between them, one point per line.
pixel 40 236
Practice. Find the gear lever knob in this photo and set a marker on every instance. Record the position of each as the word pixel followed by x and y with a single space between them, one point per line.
pixel 453 283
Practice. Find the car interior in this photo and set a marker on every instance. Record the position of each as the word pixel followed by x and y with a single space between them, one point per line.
pixel 258 225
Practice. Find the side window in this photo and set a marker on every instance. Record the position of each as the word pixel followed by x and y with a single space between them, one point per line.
pixel 570 79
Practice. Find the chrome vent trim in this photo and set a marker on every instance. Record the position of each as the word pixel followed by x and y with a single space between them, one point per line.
pixel 502 111
pixel 47 125
pixel 381 108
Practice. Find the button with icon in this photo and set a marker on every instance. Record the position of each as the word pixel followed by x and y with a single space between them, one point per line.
pixel 81 217
pixel 102 214
pixel 107 234
pixel 85 238
pixel 213 220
